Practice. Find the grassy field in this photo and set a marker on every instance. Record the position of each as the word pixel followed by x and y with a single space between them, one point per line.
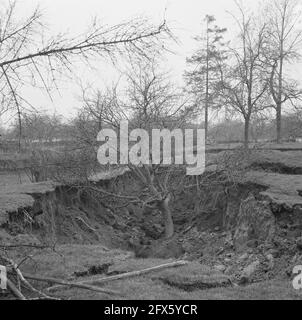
pixel 69 260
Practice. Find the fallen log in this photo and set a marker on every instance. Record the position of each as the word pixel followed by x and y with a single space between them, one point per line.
pixel 128 274
pixel 70 284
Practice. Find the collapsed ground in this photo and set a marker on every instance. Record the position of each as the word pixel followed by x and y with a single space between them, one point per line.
pixel 243 242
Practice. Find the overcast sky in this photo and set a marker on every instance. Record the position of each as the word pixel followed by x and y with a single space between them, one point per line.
pixel 184 16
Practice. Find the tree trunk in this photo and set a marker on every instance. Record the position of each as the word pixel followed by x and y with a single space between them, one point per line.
pixel 206 120
pixel 246 132
pixel 206 115
pixel 167 215
pixel 206 111
pixel 20 130
pixel 280 81
pixel 278 122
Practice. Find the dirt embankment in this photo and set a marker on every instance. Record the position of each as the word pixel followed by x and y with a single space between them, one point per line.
pixel 239 214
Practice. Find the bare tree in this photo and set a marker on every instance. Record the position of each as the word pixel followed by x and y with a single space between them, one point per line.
pixel 150 102
pixel 28 58
pixel 151 97
pixel 244 84
pixel 285 39
pixel 153 102
pixel 100 109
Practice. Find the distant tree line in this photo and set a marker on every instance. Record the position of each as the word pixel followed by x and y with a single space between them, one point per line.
pixel 248 77
pixel 243 82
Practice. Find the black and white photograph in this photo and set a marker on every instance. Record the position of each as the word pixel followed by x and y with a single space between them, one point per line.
pixel 150 153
